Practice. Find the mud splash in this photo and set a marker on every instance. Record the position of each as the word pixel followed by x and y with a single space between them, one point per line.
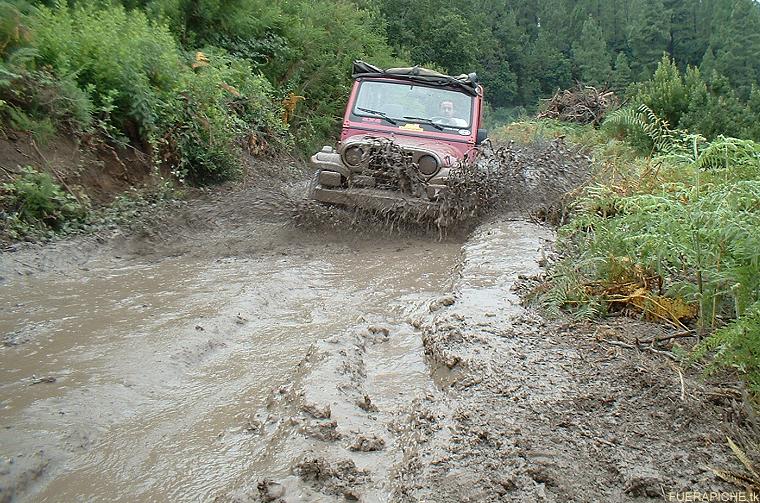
pixel 535 179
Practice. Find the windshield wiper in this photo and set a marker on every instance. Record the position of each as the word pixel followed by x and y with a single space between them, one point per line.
pixel 378 113
pixel 424 120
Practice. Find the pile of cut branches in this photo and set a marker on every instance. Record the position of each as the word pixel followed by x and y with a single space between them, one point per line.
pixel 583 105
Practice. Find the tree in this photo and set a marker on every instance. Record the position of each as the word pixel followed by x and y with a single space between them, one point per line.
pixel 546 69
pixel 648 36
pixel 707 66
pixel 709 112
pixel 621 76
pixel 449 42
pixel 739 56
pixel 590 54
pixel 665 92
pixel 684 43
pixel 752 129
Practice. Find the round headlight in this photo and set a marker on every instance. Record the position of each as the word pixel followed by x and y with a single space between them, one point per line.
pixel 428 165
pixel 353 156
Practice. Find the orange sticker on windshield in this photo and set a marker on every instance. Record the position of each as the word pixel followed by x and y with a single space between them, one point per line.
pixel 411 127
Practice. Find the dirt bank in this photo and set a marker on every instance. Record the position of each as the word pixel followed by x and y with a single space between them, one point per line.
pixel 84 165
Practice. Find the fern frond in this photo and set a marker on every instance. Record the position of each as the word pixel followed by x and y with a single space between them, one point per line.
pixel 744 459
pixel 727 152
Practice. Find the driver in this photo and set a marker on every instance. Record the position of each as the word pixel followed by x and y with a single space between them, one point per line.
pixel 447 112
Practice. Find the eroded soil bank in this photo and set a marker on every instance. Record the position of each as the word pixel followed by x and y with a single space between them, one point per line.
pixel 226 354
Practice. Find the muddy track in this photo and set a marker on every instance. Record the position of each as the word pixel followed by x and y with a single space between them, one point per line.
pixel 224 353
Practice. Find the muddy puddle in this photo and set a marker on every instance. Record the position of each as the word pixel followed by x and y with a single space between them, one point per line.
pixel 138 380
pixel 331 367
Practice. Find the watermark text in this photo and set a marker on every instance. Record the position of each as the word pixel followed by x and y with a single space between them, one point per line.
pixel 693 496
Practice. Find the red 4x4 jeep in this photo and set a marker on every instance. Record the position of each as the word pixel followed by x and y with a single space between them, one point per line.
pixel 432 120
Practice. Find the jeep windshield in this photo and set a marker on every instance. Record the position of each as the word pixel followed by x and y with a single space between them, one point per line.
pixel 413 106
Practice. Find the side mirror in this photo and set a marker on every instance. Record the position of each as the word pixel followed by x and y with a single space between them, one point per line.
pixel 481 136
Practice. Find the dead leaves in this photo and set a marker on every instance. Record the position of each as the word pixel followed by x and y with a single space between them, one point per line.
pixel 201 60
pixel 749 481
pixel 289 106
pixel 631 289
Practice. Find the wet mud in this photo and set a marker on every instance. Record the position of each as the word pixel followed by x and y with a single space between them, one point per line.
pixel 230 353
pixel 158 359
pixel 493 404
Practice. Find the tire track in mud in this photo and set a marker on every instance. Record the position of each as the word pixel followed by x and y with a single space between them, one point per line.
pixel 537 411
pixel 359 421
pixel 495 404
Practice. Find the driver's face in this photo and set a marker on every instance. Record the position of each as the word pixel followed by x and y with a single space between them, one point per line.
pixel 447 109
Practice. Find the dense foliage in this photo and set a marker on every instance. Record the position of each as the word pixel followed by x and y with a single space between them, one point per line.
pixel 121 62
pixel 113 73
pixel 672 234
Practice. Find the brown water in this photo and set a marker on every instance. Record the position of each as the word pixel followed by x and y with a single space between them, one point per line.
pixel 159 365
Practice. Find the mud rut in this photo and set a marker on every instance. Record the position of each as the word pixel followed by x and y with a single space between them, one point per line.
pixel 226 355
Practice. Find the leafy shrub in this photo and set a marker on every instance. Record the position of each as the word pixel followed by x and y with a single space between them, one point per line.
pixel 42 130
pixel 41 104
pixel 142 88
pixel 219 109
pixel 714 108
pixel 14 34
pixel 30 100
pixel 33 203
pixel 665 93
pixel 120 58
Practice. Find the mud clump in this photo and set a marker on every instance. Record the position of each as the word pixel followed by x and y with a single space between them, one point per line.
pixel 440 303
pixel 270 491
pixel 365 403
pixel 340 478
pixel 378 334
pixel 370 443
pixel 326 431
pixel 316 411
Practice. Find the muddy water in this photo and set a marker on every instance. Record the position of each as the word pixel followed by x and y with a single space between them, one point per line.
pixel 137 380
pixel 355 422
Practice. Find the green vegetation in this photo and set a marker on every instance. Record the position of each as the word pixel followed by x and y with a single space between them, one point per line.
pixel 38 206
pixel 128 69
pixel 524 50
pixel 671 234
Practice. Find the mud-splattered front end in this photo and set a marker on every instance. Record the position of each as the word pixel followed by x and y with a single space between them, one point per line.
pixel 384 173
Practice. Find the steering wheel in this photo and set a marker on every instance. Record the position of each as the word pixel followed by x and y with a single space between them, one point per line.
pixel 441 120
